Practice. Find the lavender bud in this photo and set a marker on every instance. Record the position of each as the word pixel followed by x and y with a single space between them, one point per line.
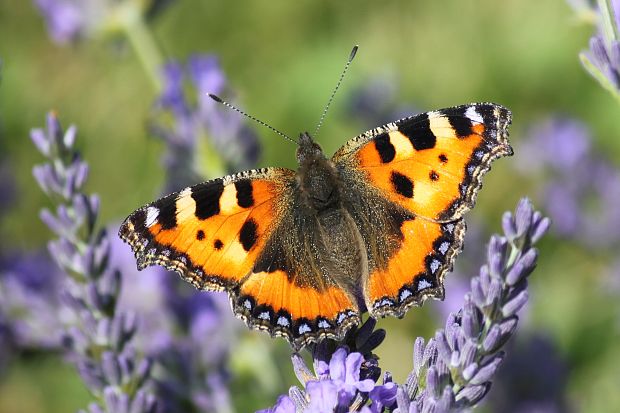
pixel 468 353
pixel 494 294
pixel 469 371
pixel 472 394
pixel 411 385
pixel 514 305
pixel 432 382
pixel 402 400
pixel 302 372
pixel 95 408
pixel 91 376
pixel 496 265
pixel 508 226
pixel 597 47
pixel 40 141
pixel 143 371
pixel 522 268
pixel 507 327
pixel 429 406
pixel 418 354
pixel 446 402
pixel 485 278
pixel 454 359
pixel 470 325
pixel 443 349
pixel 111 368
pixel 485 372
pixel 477 294
pixel 540 229
pixel 298 397
pixel 93 296
pixel 492 339
pixel 523 216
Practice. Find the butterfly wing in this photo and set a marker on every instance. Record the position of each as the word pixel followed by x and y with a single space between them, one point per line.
pixel 428 169
pixel 234 234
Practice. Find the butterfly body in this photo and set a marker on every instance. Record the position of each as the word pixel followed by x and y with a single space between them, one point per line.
pixel 303 254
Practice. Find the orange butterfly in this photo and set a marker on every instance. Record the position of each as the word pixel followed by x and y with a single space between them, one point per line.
pixel 302 254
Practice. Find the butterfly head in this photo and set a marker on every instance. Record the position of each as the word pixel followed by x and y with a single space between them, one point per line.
pixel 308 150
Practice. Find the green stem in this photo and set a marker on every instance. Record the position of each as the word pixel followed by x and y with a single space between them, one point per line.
pixel 142 41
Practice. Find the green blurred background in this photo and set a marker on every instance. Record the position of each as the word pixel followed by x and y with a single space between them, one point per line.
pixel 282 59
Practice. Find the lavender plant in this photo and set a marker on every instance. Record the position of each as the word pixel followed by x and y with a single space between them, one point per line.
pixel 99 343
pixel 69 21
pixel 452 371
pixel 235 143
pixel 602 60
pixel 581 187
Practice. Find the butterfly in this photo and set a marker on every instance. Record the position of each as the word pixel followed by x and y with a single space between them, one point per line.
pixel 303 253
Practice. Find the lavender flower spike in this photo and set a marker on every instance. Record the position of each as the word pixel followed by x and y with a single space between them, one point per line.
pixel 602 61
pixel 454 370
pixel 99 343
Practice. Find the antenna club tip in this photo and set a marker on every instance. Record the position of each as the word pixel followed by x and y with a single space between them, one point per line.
pixel 214 97
pixel 353 52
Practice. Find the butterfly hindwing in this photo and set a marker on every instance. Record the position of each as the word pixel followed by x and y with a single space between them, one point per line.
pixel 428 167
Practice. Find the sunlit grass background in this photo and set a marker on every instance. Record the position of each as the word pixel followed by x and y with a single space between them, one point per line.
pixel 283 59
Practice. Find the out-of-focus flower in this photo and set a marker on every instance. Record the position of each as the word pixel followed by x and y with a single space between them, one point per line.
pixel 581 188
pixel 453 371
pixel 180 123
pixel 375 102
pixel 99 343
pixel 30 288
pixel 602 60
pixel 532 379
pixel 72 20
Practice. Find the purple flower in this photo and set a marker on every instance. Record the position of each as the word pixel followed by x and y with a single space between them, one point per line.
pixel 344 371
pixel 602 60
pixel 67 20
pixel 99 341
pixel 454 370
pixel 533 378
pixel 581 188
pixel 375 102
pixel 234 142
pixel 30 287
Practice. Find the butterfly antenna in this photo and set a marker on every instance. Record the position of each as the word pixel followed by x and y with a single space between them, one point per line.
pixel 260 122
pixel 329 102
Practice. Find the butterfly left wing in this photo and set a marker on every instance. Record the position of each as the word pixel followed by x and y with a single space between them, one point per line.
pixel 241 234
pixel 427 171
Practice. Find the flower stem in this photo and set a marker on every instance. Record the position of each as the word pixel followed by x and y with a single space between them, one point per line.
pixel 142 41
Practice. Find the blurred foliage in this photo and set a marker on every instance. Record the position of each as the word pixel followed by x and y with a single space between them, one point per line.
pixel 282 59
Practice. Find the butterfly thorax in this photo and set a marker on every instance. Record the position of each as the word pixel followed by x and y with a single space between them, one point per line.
pixel 317 176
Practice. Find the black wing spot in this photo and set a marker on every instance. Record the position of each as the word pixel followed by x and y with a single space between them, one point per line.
pixel 200 235
pixel 402 184
pixel 384 147
pixel 218 244
pixel 461 123
pixel 443 158
pixel 207 198
pixel 433 176
pixel 248 235
pixel 419 132
pixel 167 207
pixel 245 198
